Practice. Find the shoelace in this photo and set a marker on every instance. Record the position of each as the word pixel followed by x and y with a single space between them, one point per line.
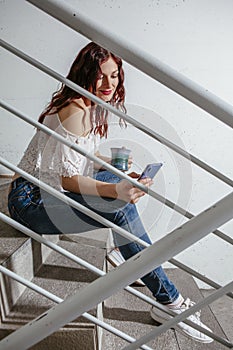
pixel 188 303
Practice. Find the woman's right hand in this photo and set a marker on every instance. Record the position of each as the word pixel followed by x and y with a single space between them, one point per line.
pixel 128 193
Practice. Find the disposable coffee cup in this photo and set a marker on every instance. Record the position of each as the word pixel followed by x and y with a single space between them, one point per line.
pixel 120 158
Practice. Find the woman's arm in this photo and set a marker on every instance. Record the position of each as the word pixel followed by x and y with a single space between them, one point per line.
pixel 100 156
pixel 123 190
pixel 87 185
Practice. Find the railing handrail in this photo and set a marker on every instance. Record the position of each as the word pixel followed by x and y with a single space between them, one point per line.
pixel 84 263
pixel 180 317
pixel 196 274
pixel 57 300
pixel 138 58
pixel 119 173
pixel 73 203
pixel 117 112
pixel 101 220
pixel 201 98
pixel 137 266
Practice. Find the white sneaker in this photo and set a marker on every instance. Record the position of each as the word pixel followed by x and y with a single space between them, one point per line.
pixel 115 258
pixel 160 316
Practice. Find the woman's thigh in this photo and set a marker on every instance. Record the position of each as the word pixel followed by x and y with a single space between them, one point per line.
pixel 53 215
pixel 107 176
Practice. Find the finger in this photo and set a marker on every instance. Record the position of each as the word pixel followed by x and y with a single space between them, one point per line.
pixel 134 175
pixel 147 181
pixel 136 193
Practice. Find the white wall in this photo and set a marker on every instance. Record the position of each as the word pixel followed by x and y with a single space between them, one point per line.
pixel 192 36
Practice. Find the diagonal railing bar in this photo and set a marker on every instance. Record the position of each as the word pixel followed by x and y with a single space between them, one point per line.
pixel 197 275
pixel 72 145
pixel 127 234
pixel 73 203
pixel 83 263
pixel 58 300
pixel 223 236
pixel 117 112
pixel 168 324
pixel 75 147
pixel 137 266
pixel 138 58
pixel 72 257
pixel 193 272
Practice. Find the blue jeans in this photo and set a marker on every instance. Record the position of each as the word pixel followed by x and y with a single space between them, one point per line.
pixel 45 214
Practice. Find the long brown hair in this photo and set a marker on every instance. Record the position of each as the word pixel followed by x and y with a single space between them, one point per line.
pixel 84 72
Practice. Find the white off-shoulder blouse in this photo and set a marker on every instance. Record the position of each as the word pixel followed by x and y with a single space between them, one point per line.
pixel 48 159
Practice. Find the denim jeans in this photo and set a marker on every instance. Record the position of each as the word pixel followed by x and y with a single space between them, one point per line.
pixel 45 214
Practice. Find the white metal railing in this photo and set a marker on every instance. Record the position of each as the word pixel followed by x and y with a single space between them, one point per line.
pixel 117 112
pixel 155 332
pixel 102 163
pixel 138 58
pixel 134 237
pixel 129 119
pixel 86 211
pixel 99 272
pixel 103 221
pixel 221 212
pixel 38 181
pixel 197 275
pixel 137 266
pixel 58 300
pixel 108 166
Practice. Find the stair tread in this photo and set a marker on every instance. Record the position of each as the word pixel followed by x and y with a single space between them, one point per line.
pixel 10 238
pixel 10 241
pixel 60 276
pixel 223 311
pixel 187 285
pixel 131 315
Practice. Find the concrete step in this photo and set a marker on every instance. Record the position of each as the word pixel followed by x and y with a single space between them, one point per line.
pixel 131 315
pixel 223 311
pixel 63 278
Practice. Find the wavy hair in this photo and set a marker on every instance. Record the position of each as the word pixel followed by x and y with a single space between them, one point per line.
pixel 84 72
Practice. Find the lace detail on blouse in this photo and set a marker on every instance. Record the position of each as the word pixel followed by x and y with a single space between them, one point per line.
pixel 48 159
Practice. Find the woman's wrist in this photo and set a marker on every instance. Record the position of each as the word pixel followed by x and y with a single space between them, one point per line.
pixel 108 190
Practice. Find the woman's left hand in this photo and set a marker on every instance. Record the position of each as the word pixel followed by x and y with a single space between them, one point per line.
pixel 129 193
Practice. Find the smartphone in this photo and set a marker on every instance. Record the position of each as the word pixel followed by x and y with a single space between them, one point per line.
pixel 150 170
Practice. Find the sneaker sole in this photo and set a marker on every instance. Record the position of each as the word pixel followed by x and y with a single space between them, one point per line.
pixel 180 329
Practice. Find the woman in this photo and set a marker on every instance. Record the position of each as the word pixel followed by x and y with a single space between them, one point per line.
pixel 78 119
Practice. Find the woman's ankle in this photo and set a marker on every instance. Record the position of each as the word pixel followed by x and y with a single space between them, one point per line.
pixel 176 303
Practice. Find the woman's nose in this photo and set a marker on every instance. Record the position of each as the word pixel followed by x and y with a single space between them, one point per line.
pixel 107 81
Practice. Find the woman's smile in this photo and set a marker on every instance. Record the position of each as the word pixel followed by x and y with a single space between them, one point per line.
pixel 106 92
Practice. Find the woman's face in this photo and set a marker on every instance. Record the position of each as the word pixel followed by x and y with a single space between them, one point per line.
pixel 108 80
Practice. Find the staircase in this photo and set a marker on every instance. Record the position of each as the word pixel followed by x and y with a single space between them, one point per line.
pixel 53 272
pixel 62 277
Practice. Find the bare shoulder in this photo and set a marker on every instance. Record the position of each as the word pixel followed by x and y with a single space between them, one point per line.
pixel 75 117
pixel 76 107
